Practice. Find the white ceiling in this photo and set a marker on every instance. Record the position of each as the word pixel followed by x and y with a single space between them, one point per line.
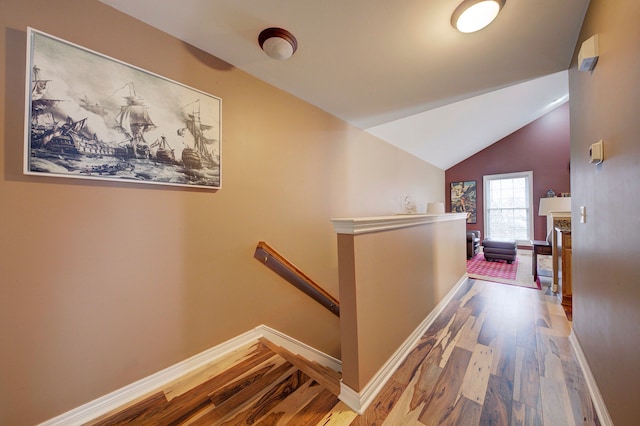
pixel 396 69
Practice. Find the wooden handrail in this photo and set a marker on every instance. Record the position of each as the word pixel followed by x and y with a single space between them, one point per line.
pixel 287 270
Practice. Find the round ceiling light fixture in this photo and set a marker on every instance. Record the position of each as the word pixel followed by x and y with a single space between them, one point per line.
pixel 278 43
pixel 473 15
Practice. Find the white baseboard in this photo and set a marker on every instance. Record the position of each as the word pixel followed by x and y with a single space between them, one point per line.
pixel 596 397
pixel 152 383
pixel 297 347
pixel 359 401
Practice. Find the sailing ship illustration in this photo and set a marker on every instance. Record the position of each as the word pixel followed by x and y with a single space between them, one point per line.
pixel 49 130
pixel 134 121
pixel 42 120
pixel 38 92
pixel 58 140
pixel 197 154
pixel 164 153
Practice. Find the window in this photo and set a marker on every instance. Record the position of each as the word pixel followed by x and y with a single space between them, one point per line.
pixel 508 201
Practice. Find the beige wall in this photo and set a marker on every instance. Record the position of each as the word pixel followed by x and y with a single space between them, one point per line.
pixel 606 249
pixel 389 283
pixel 105 283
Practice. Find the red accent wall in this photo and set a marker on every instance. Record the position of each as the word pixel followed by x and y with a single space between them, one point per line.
pixel 542 147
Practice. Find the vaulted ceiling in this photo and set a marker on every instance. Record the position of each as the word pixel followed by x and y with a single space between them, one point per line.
pixel 397 69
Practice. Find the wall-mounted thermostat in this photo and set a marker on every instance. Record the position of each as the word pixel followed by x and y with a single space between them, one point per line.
pixel 596 153
pixel 588 54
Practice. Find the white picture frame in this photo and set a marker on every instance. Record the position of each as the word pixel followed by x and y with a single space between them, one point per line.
pixel 89 116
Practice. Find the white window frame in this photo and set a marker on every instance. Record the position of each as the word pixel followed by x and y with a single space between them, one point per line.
pixel 485 190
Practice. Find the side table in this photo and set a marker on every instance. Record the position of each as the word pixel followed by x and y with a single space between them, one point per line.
pixel 539 247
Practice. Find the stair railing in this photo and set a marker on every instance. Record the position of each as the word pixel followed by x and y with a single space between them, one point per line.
pixel 287 270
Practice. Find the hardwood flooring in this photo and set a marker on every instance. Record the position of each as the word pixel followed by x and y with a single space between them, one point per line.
pixel 497 355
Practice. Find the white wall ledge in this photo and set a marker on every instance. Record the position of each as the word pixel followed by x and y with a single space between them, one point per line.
pixel 363 225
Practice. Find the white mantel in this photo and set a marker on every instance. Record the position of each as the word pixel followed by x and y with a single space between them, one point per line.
pixel 554 207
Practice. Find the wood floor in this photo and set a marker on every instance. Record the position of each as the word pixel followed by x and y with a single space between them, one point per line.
pixel 497 355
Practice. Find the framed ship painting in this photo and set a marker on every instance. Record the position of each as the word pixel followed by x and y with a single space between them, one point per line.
pixel 463 199
pixel 93 117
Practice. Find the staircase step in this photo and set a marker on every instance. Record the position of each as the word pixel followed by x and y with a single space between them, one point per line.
pixel 261 382
pixel 326 376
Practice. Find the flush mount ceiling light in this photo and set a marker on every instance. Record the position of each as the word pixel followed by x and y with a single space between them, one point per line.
pixel 278 43
pixel 474 15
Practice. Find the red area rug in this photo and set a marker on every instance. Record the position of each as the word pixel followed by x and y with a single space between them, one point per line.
pixel 517 273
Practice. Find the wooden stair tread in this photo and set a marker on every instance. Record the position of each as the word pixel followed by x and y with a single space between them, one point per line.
pixel 260 380
pixel 326 376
